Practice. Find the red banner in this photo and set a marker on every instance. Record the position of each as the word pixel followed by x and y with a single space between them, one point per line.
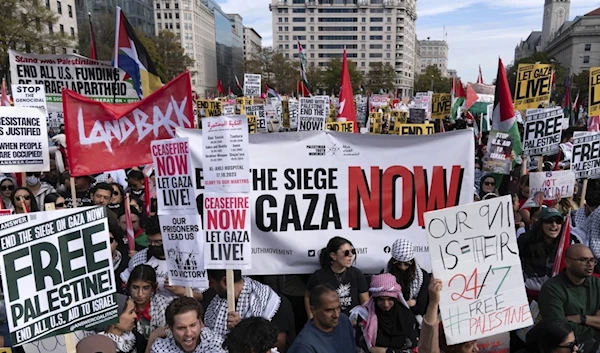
pixel 103 136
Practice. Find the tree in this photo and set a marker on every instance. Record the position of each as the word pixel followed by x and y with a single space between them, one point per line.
pixel 332 76
pixel 423 82
pixel 169 56
pixel 380 77
pixel 581 85
pixel 24 27
pixel 104 32
pixel 278 71
pixel 542 58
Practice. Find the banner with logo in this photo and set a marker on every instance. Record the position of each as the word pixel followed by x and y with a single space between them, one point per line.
pixel 23 140
pixel 103 136
pixel 441 105
pixel 57 273
pixel 351 185
pixel 534 83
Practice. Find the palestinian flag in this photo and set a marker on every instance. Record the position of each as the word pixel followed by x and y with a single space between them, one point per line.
pixel 503 115
pixel 458 99
pixel 271 92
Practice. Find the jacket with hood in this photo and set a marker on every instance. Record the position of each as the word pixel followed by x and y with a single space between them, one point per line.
pixel 7 202
pixel 481 180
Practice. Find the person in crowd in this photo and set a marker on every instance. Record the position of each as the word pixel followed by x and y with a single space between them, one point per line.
pixel 252 299
pixel 574 294
pixel 139 233
pixel 252 335
pixel 337 270
pixel 329 330
pixel 135 181
pixel 570 204
pixel 523 192
pixel 23 201
pixel 96 344
pixel 121 333
pixel 487 185
pixel 478 174
pixel 587 219
pixel 117 198
pixel 51 177
pixel 64 183
pixel 293 288
pixel 38 188
pixel 7 186
pixel 537 249
pixel 520 226
pixel 184 319
pixel 119 255
pixel 137 202
pixel 431 339
pixel 150 306
pixel 114 176
pixel 56 199
pixel 101 194
pixel 386 322
pixel 154 256
pixel 551 336
pixel 413 280
pixel 82 192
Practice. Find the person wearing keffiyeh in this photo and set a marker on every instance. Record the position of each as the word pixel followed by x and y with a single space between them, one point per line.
pixel 121 332
pixel 409 275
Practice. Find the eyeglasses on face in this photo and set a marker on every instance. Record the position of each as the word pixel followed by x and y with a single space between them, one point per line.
pixel 585 260
pixel 24 197
pixel 116 193
pixel 60 204
pixel 113 240
pixel 554 220
pixel 572 346
pixel 489 183
pixel 154 242
pixel 348 252
pixel 7 187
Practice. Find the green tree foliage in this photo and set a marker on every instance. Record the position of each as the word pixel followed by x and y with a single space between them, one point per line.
pixel 380 77
pixel 332 77
pixel 24 27
pixel 278 71
pixel 440 84
pixel 542 58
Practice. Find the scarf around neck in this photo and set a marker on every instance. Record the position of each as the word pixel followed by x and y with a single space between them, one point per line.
pixel 125 343
pixel 255 300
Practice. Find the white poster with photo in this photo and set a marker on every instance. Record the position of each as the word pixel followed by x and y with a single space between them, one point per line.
pixel 552 184
pixel 225 158
pixel 312 114
pixel 474 252
pixel 252 85
pixel 23 140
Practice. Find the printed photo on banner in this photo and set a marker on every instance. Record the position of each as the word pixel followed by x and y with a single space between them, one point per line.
pixel 57 273
pixel 594 95
pixel 225 158
pixel 327 185
pixel 474 252
pixel 258 110
pixel 534 83
pixel 414 129
pixel 585 161
pixel 499 156
pixel 184 249
pixel 252 85
pixel 553 184
pixel 173 167
pixel 542 131
pixel 441 105
pixel 227 229
pixel 208 107
pixel 313 114
pixel 119 135
pixel 347 126
pixel 23 140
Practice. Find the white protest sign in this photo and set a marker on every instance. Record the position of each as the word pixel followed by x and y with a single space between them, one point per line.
pixel 225 158
pixel 182 241
pixel 474 252
pixel 227 228
pixel 312 114
pixel 175 189
pixel 252 85
pixel 23 140
pixel 585 160
pixel 228 109
pixel 552 184
pixel 293 107
pixel 542 131
pixel 57 273
pixel 259 111
pixel 32 96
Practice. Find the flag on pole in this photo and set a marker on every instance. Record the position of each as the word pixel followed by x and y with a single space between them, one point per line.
pixel 472 97
pixel 459 98
pixel 576 109
pixel 302 58
pixel 237 83
pixel 5 100
pixel 503 115
pixel 567 107
pixel 563 244
pixel 302 90
pixel 220 87
pixel 131 57
pixel 347 109
pixel 271 92
pixel 480 77
pixel 93 51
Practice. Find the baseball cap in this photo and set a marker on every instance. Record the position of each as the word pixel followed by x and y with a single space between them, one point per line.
pixel 548 213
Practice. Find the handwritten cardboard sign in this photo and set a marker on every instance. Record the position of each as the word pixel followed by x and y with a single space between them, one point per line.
pixel 561 182
pixel 474 252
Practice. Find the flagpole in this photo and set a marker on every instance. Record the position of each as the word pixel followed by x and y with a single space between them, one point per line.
pixel 116 53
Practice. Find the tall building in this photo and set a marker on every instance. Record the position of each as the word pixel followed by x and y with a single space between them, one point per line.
pixel 252 43
pixel 194 24
pixel 67 22
pixel 373 31
pixel 434 53
pixel 237 63
pixel 140 13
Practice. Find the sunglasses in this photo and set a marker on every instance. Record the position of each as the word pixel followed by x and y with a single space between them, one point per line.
pixel 60 204
pixel 570 346
pixel 7 187
pixel 116 193
pixel 113 240
pixel 348 252
pixel 489 183
pixel 554 220
pixel 405 263
pixel 26 197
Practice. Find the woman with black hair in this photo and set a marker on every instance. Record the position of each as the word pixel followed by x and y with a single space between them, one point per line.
pixel 336 270
pixel 551 336
pixel 56 199
pixel 138 221
pixel 251 335
pixel 413 280
pixel 118 198
pixel 24 201
pixel 121 332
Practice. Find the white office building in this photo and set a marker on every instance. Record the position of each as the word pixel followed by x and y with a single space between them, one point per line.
pixel 434 53
pixel 252 43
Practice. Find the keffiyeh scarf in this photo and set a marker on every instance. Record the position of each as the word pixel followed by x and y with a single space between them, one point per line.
pixel 209 342
pixel 125 343
pixel 255 300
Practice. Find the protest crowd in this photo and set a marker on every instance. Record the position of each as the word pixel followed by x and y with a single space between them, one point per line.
pixel 124 216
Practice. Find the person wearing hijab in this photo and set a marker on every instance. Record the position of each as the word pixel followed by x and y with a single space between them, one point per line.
pixel 413 280
pixel 385 321
pixel 487 185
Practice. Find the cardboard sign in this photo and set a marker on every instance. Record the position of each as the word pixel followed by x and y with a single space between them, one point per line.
pixel 375 122
pixel 209 107
pixel 225 147
pixel 594 95
pixel 414 129
pixel 499 151
pixel 585 160
pixel 252 85
pixel 554 183
pixel 57 273
pixel 416 115
pixel 32 96
pixel 258 110
pixel 474 252
pixel 534 83
pixel 252 124
pixel 23 140
pixel 347 126
pixel 441 105
pixel 228 109
pixel 542 132
pixel 312 114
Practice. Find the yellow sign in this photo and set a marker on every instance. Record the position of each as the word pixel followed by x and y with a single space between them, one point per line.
pixel 399 117
pixel 252 124
pixel 534 82
pixel 211 108
pixel 441 105
pixel 285 112
pixel 594 98
pixel 332 114
pixel 376 119
pixel 6 350
pixel 414 129
pixel 347 126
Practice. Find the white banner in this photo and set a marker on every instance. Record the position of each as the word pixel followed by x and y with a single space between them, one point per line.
pixel 23 140
pixel 542 131
pixel 312 114
pixel 311 186
pixel 57 272
pixel 474 252
pixel 552 184
pixel 252 85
